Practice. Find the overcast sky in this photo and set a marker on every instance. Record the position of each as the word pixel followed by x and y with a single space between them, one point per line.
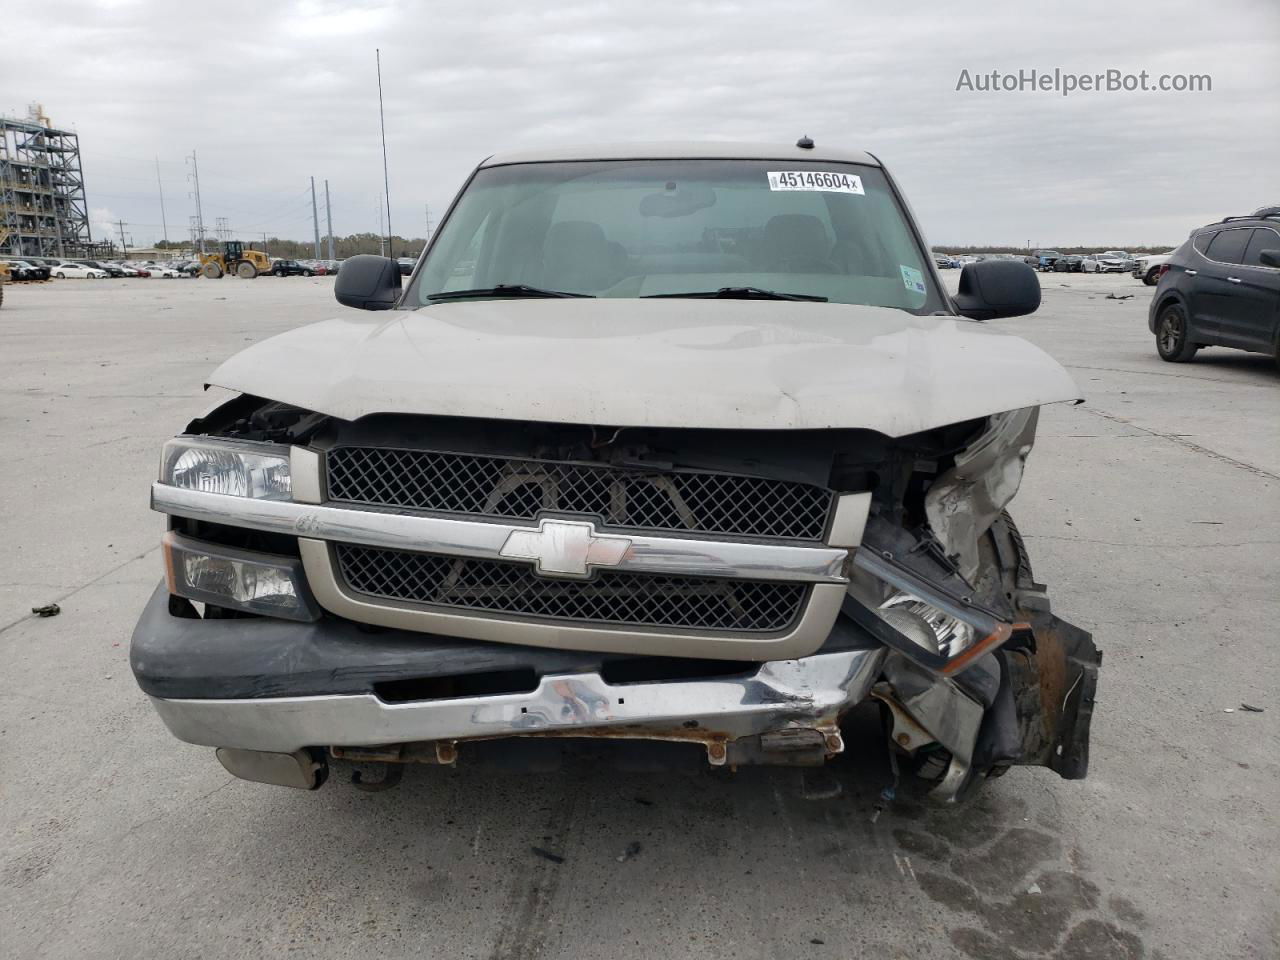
pixel 269 94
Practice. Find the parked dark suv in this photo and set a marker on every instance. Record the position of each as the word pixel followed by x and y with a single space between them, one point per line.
pixel 1221 288
pixel 291 268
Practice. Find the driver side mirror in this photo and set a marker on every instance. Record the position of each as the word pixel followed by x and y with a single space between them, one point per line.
pixel 1270 258
pixel 997 288
pixel 368 282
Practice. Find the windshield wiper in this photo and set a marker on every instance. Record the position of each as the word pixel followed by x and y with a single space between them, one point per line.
pixel 503 290
pixel 740 293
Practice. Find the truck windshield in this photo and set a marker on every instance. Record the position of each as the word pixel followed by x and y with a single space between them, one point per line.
pixel 661 228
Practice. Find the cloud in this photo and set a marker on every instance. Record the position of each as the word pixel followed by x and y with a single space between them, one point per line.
pixel 270 95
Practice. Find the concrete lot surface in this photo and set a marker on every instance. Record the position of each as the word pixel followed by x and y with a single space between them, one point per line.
pixel 1152 510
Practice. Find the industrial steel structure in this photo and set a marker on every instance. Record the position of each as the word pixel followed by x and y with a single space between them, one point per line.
pixel 43 211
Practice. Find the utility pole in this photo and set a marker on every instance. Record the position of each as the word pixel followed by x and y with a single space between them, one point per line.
pixel 123 246
pixel 428 221
pixel 195 176
pixel 328 216
pixel 264 241
pixel 163 226
pixel 315 216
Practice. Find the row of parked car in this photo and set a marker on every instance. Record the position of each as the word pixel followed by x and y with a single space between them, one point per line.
pixel 1144 268
pixel 47 268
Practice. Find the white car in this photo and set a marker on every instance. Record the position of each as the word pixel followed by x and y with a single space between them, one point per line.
pixel 156 270
pixel 1102 263
pixel 78 271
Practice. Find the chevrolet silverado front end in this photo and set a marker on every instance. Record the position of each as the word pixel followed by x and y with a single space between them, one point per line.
pixel 680 443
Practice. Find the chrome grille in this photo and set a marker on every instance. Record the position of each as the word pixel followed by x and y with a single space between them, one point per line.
pixel 691 603
pixel 681 500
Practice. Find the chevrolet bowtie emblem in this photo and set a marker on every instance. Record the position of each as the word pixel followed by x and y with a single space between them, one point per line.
pixel 566 548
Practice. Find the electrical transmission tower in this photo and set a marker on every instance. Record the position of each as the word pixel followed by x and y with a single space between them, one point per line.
pixel 194 176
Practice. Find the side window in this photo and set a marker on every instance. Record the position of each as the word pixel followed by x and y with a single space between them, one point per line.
pixel 1202 242
pixel 1228 246
pixel 1263 239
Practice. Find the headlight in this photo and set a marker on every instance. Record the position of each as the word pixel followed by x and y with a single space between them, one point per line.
pixel 237 468
pixel 931 624
pixel 262 583
pixel 928 626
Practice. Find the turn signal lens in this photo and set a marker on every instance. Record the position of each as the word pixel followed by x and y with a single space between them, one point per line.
pixel 261 583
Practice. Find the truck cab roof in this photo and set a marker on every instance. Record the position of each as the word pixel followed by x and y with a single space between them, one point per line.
pixel 683 150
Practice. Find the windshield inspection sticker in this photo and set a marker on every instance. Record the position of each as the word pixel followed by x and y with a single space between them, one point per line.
pixel 912 278
pixel 822 181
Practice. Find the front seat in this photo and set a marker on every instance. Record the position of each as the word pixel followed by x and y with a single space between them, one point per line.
pixel 796 243
pixel 577 257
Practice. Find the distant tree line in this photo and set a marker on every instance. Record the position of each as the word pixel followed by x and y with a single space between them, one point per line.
pixel 343 247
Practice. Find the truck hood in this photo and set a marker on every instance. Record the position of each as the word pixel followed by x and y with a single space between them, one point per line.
pixel 734 364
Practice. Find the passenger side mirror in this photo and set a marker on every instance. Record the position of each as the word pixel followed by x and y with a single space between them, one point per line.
pixel 1270 258
pixel 997 288
pixel 368 282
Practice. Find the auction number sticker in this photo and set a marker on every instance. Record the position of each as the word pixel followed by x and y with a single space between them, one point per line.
pixel 912 279
pixel 823 181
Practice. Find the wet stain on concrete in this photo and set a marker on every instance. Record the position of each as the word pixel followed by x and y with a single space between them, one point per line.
pixel 1016 893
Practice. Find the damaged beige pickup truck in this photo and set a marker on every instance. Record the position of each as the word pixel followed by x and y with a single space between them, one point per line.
pixel 674 442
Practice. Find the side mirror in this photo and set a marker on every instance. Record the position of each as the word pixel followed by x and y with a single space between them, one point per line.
pixel 997 288
pixel 1270 258
pixel 368 282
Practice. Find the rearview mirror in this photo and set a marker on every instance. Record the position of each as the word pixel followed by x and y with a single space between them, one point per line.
pixel 1270 258
pixel 368 282
pixel 997 288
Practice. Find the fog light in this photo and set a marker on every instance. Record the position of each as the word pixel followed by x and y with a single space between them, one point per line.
pixel 261 583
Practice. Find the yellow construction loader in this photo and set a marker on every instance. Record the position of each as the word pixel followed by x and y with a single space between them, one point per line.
pixel 235 258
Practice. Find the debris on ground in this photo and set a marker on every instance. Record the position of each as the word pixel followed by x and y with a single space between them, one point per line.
pixel 1034 889
pixel 643 801
pixel 633 848
pixel 1123 296
pixel 48 610
pixel 1250 708
pixel 1229 710
pixel 816 941
pixel 547 855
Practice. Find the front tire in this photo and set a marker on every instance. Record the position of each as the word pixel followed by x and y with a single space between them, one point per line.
pixel 60 275
pixel 211 271
pixel 1152 277
pixel 246 270
pixel 1173 336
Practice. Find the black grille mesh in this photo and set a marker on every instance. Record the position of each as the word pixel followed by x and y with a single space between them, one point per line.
pixel 691 603
pixel 520 489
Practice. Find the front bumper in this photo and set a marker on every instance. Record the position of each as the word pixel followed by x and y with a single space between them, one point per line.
pixel 806 695
pixel 272 685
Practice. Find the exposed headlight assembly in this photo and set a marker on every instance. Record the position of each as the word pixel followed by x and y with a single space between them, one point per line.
pixel 237 468
pixel 925 621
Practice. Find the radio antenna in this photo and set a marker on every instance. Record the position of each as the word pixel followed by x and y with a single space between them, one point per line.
pixel 386 180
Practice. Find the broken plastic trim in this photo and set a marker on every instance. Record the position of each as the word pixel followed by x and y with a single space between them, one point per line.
pixel 991 629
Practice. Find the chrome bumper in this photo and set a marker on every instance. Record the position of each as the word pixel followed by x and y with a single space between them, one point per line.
pixel 804 697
